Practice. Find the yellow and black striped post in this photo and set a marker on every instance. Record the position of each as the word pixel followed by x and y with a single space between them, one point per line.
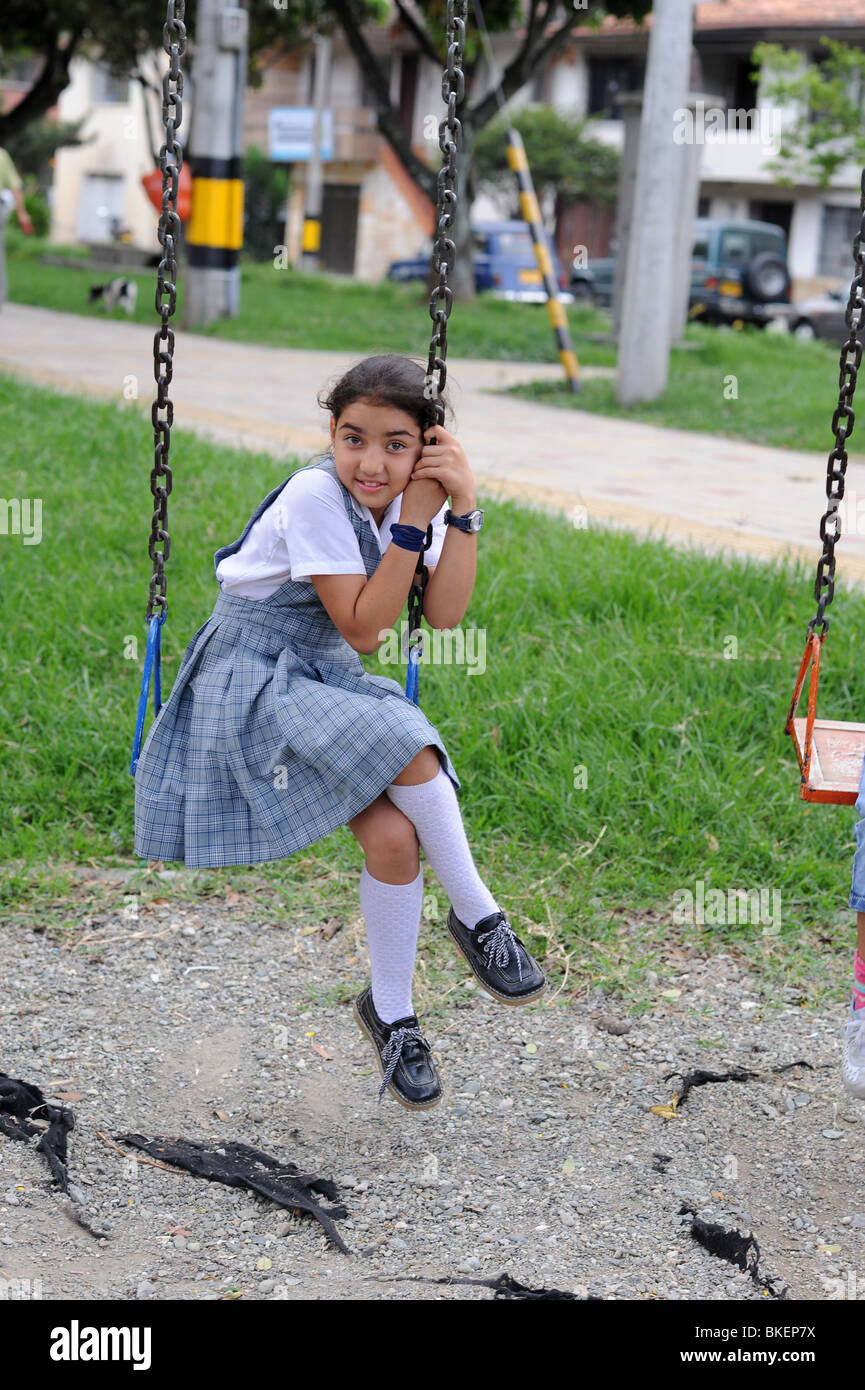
pixel 532 215
pixel 311 242
pixel 215 233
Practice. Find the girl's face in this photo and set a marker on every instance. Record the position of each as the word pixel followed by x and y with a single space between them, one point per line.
pixel 375 448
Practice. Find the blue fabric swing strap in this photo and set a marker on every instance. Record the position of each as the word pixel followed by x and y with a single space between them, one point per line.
pixel 152 662
pixel 413 538
pixel 408 537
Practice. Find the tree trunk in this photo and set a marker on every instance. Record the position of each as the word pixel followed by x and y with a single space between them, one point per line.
pixel 53 79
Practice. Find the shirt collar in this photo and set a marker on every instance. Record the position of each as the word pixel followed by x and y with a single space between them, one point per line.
pixel 363 511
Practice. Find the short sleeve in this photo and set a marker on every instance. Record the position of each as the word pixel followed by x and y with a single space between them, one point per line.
pixel 312 520
pixel 9 176
pixel 433 555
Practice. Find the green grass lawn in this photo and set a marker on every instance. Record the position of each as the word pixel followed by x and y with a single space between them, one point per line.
pixel 746 384
pixel 603 653
pixel 288 308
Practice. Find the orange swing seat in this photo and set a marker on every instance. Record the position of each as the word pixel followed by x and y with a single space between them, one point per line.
pixel 830 752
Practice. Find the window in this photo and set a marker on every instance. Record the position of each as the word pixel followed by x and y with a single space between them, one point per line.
pixel 738 245
pixel 700 249
pixel 514 244
pixel 765 241
pixel 781 214
pixel 106 87
pixel 608 77
pixel 840 226
pixel 729 74
pixel 743 88
pixel 734 247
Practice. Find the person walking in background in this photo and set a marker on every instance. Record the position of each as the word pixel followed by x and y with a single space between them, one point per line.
pixel 11 195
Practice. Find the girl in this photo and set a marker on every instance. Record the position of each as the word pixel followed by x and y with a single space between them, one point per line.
pixel 274 734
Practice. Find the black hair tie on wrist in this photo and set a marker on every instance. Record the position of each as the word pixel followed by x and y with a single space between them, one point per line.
pixel 407 537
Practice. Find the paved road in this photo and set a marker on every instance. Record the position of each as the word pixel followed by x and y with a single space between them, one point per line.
pixel 716 492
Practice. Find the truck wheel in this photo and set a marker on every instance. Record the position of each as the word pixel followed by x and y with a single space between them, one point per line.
pixel 767 277
pixel 582 292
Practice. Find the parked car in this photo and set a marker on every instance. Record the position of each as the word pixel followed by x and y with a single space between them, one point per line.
pixel 504 260
pixel 738 270
pixel 822 316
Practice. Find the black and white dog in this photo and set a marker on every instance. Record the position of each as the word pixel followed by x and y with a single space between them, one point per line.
pixel 116 292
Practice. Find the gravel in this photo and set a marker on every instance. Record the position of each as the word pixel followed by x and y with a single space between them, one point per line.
pixel 544 1158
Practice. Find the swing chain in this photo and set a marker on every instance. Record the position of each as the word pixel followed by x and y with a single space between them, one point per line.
pixel 842 427
pixel 174 44
pixel 450 140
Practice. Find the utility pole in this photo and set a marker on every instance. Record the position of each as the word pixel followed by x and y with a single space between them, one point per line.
pixel 311 244
pixel 215 232
pixel 644 340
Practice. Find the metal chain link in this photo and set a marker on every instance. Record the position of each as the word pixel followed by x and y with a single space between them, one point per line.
pixel 444 250
pixel 174 43
pixel 851 357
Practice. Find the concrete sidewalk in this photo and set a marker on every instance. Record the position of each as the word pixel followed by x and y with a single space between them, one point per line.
pixel 718 493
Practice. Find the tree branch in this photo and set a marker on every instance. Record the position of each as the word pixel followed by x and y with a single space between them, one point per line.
pixel 51 81
pixel 422 38
pixel 389 122
pixel 522 66
pixel 147 87
pixel 535 24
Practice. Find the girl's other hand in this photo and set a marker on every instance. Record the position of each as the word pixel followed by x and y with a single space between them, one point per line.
pixel 446 462
pixel 422 499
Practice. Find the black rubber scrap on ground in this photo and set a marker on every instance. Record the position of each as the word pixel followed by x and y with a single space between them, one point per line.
pixel 733 1246
pixel 702 1078
pixel 24 1113
pixel 238 1165
pixel 20 1105
pixel 504 1284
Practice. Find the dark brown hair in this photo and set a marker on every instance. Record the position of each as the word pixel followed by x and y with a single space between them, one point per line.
pixel 387 379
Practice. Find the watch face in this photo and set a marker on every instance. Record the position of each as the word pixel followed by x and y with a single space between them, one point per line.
pixel 476 520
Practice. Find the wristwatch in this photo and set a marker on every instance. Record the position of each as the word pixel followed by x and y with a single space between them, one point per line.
pixel 471 521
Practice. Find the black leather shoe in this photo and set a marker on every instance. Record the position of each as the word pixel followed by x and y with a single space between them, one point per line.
pixel 498 958
pixel 404 1058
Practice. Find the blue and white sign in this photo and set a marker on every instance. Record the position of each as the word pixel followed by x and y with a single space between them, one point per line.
pixel 290 129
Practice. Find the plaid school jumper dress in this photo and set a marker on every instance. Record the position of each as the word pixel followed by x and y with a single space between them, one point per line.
pixel 273 734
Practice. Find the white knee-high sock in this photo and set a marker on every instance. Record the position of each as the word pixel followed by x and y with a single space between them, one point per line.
pixel 392 915
pixel 433 809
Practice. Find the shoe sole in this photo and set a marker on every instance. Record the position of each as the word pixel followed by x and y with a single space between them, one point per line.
pixel 502 998
pixel 409 1104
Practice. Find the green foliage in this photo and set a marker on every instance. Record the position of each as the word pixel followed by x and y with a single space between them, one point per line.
pixel 265 192
pixel 828 129
pixel 40 214
pixel 558 150
pixel 33 148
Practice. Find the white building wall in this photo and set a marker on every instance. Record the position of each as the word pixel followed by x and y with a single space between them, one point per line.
pixel 119 146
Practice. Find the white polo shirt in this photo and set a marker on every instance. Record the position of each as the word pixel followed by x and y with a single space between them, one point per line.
pixel 306 531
